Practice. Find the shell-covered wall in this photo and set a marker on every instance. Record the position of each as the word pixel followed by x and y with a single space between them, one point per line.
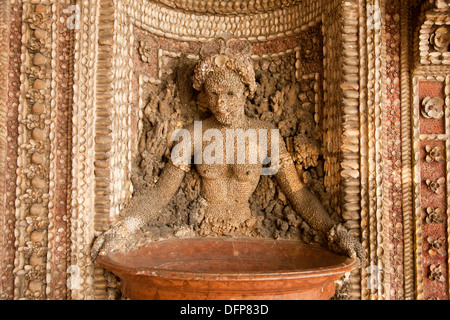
pixel 91 90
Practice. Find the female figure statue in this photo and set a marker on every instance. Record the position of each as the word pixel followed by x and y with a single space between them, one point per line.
pixel 227 79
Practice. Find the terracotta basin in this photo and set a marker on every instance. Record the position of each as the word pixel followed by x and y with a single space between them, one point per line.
pixel 214 268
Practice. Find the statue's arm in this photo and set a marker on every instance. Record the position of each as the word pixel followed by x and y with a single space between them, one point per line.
pixel 308 206
pixel 142 209
pixel 303 201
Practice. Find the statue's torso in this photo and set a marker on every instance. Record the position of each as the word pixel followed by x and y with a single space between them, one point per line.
pixel 227 187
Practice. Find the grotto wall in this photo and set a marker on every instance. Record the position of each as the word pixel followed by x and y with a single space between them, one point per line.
pixel 91 91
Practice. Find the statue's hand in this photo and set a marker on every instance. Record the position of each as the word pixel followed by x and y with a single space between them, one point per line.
pixel 340 241
pixel 123 230
pixel 111 240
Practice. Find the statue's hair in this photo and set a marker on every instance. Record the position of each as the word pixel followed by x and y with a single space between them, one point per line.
pixel 232 55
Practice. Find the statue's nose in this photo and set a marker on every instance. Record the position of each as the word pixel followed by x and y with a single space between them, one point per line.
pixel 221 104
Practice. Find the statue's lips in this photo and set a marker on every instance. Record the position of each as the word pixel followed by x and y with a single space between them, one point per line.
pixel 222 114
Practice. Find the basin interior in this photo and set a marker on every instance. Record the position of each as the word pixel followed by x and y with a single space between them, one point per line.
pixel 213 256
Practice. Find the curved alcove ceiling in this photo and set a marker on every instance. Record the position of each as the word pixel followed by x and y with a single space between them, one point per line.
pixel 227 7
pixel 276 18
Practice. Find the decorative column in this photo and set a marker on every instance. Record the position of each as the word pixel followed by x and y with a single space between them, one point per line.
pixel 41 219
pixel 431 162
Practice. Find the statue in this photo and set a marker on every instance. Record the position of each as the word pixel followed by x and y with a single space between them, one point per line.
pixel 226 77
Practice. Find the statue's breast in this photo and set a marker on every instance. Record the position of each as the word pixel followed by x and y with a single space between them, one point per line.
pixel 245 172
pixel 241 172
pixel 212 171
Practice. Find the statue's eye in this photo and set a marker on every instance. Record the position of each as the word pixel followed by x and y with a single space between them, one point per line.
pixel 230 93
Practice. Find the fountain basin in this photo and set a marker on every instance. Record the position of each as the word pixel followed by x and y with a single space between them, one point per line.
pixel 222 269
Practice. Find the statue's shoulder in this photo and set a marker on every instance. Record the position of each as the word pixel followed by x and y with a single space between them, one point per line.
pixel 196 124
pixel 261 124
pixel 201 125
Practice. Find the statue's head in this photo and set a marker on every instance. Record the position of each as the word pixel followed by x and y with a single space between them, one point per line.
pixel 226 77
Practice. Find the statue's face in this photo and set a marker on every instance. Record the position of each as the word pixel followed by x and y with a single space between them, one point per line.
pixel 225 95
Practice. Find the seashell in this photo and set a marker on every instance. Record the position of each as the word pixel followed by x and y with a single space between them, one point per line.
pixel 221 60
pixel 40 34
pixel 38 108
pixel 37 158
pixel 37 134
pixel 35 286
pixel 38 183
pixel 40 8
pixel 37 210
pixel 39 59
pixel 35 260
pixel 36 236
pixel 39 84
pixel 440 39
pixel 433 108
